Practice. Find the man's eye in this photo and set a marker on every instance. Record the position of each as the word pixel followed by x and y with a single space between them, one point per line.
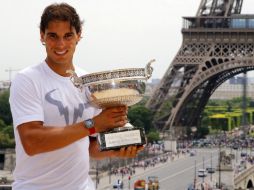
pixel 68 36
pixel 52 36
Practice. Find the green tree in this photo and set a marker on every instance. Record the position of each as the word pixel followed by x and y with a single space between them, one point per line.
pixel 202 131
pixel 5 111
pixel 153 136
pixel 6 129
pixel 6 135
pixel 229 106
pixel 6 141
pixel 140 116
pixel 2 125
pixel 138 123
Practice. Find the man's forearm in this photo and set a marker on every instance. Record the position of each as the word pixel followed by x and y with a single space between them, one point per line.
pixel 38 139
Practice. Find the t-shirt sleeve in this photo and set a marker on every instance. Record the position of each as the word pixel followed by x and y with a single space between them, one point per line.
pixel 25 101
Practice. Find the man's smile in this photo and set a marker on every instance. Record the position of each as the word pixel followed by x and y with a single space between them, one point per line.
pixel 61 52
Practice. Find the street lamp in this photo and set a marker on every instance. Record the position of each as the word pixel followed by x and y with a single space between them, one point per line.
pixel 109 176
pixel 211 168
pixel 203 168
pixel 219 162
pixel 97 174
pixel 195 175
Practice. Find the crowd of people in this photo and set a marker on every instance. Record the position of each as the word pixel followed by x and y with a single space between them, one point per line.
pixel 130 169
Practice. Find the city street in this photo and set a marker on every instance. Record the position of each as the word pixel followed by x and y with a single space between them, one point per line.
pixel 173 175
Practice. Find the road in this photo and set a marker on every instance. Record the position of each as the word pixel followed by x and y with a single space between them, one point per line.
pixel 176 175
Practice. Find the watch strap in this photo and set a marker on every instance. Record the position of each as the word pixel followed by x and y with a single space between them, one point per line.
pixel 92 131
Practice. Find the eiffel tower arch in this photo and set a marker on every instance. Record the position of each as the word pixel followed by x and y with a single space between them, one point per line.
pixel 217 45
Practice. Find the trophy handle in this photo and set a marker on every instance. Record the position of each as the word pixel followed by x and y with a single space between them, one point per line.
pixel 149 69
pixel 77 81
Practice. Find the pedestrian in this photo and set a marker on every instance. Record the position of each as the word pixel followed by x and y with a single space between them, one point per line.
pixel 54 123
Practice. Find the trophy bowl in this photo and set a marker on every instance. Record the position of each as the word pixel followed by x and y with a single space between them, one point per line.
pixel 116 88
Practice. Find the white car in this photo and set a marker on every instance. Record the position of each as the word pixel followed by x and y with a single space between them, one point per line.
pixel 202 173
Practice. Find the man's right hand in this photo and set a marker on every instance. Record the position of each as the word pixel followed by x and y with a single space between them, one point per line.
pixel 111 118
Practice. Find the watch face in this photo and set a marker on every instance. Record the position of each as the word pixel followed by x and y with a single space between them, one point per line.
pixel 89 123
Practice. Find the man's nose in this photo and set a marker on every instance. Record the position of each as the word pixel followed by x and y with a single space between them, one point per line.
pixel 60 42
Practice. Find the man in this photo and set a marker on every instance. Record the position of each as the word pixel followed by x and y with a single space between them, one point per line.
pixel 52 119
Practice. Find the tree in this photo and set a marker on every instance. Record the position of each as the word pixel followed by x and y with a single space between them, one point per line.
pixel 6 129
pixel 202 131
pixel 229 106
pixel 6 141
pixel 2 124
pixel 5 111
pixel 6 135
pixel 141 116
pixel 153 136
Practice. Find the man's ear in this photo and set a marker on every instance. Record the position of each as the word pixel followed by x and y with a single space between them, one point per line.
pixel 79 37
pixel 42 37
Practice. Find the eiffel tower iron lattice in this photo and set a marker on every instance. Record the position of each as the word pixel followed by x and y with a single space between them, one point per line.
pixel 218 43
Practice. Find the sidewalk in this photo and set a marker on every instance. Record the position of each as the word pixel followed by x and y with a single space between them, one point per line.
pixel 106 183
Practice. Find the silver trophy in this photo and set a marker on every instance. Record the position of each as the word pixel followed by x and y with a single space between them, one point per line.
pixel 116 88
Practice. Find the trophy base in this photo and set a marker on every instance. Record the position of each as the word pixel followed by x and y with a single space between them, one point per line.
pixel 125 136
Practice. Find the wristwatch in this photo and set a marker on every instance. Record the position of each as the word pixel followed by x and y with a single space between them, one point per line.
pixel 89 124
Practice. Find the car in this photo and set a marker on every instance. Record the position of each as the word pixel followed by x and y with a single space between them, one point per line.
pixel 118 184
pixel 235 147
pixel 243 154
pixel 202 173
pixel 210 169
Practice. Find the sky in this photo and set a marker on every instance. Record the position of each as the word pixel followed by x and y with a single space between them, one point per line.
pixel 116 33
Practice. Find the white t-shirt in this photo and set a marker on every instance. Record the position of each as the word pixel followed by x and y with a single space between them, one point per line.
pixel 40 94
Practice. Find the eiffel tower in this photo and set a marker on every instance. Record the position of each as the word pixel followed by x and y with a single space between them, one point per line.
pixel 217 45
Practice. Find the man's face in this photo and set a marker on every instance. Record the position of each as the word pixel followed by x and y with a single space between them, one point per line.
pixel 60 42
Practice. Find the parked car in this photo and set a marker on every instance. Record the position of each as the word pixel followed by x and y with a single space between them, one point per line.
pixel 210 169
pixel 243 154
pixel 202 173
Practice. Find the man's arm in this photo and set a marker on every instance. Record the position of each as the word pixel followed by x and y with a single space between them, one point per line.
pixel 37 138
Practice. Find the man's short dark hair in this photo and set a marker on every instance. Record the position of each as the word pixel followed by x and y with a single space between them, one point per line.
pixel 60 12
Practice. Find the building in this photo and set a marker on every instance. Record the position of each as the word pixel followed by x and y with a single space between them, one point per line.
pixel 229 90
pixel 151 86
pixel 4 85
pixel 232 88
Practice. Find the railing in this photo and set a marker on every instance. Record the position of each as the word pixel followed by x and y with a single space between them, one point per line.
pixel 244 22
